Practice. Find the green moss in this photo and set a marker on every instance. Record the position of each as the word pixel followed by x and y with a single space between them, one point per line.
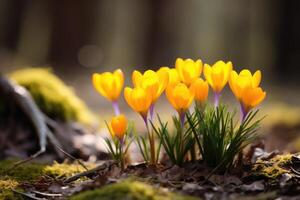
pixel 6 189
pixel 10 179
pixel 274 167
pixel 52 95
pixel 64 169
pixel 30 172
pixel 129 190
pixel 25 172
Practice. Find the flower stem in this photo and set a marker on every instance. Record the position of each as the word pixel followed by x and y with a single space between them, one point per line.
pixel 217 98
pixel 122 160
pixel 152 148
pixel 151 111
pixel 145 120
pixel 243 113
pixel 182 118
pixel 116 107
pixel 151 141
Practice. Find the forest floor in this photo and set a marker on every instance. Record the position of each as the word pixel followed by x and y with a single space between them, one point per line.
pixel 266 172
pixel 271 176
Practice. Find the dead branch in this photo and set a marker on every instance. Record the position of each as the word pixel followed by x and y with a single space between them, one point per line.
pixel 27 195
pixel 47 194
pixel 90 172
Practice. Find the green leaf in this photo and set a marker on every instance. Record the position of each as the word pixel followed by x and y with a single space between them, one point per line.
pixel 219 137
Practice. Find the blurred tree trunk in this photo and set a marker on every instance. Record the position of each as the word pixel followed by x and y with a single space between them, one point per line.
pixel 34 38
pixel 71 28
pixel 262 48
pixel 11 12
pixel 288 51
pixel 120 29
pixel 142 34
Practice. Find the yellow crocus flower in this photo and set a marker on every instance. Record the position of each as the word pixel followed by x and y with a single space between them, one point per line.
pixel 139 100
pixel 217 75
pixel 109 84
pixel 153 82
pixel 188 70
pixel 180 97
pixel 244 79
pixel 173 75
pixel 245 87
pixel 119 126
pixel 200 89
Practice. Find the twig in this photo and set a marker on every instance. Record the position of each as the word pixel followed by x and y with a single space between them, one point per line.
pixel 47 194
pixel 176 184
pixel 27 195
pixel 89 172
pixel 295 171
pixel 69 155
pixel 25 160
pixel 53 124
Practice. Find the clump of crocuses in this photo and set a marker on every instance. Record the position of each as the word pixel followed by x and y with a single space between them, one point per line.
pixel 196 133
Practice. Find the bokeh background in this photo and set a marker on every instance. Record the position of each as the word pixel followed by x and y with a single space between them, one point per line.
pixel 77 38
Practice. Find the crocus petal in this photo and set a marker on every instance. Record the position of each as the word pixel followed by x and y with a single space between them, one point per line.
pixel 170 97
pixel 228 69
pixel 127 96
pixel 207 74
pixel 173 77
pixel 119 79
pixel 138 99
pixel 256 78
pixel 245 72
pixel 136 78
pixel 252 97
pixel 200 90
pixel 96 78
pixel 258 96
pixel 217 77
pixel 163 77
pixel 232 83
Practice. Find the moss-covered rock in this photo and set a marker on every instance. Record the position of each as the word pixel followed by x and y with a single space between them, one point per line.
pixel 30 172
pixel 52 95
pixel 130 190
pixel 274 167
